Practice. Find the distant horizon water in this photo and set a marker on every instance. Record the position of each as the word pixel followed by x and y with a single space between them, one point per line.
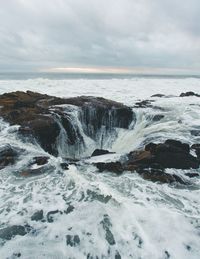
pixel 87 75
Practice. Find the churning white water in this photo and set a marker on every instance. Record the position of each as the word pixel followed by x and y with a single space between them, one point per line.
pixel 101 215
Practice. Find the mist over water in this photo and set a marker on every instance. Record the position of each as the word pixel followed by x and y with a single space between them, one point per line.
pixel 110 216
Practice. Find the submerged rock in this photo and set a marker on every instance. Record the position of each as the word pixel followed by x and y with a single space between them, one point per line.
pixel 72 241
pixel 8 155
pixel 9 232
pixel 40 160
pixel 156 175
pixel 37 216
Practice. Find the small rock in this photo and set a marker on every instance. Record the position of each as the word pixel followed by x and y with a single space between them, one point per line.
pixel 37 216
pixel 72 241
pixel 69 209
pixel 158 117
pixel 189 94
pixel 50 217
pixel 40 160
pixel 115 167
pixel 158 95
pixel 64 166
pixel 98 152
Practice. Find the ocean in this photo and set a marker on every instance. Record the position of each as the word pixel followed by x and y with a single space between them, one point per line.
pixel 113 216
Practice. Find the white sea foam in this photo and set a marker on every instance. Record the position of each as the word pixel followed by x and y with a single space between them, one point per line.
pixel 146 220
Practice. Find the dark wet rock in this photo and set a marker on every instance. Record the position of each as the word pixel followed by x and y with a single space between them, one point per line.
pixel 170 154
pixel 192 175
pixel 8 155
pixel 143 104
pixel 9 232
pixel 40 160
pixel 46 131
pixel 152 162
pixel 99 152
pixel 37 216
pixel 151 147
pixel 72 240
pixel 158 95
pixel 156 175
pixel 195 133
pixel 186 94
pixel 167 254
pixel 69 209
pixel 64 166
pixel 39 117
pixel 50 214
pixel 115 167
pixel 106 226
pixel 117 255
pixel 158 117
pixel 182 147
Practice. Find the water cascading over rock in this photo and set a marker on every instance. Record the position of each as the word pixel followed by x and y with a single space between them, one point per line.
pixel 71 127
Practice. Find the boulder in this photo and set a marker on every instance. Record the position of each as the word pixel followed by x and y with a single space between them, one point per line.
pixel 170 154
pixel 99 152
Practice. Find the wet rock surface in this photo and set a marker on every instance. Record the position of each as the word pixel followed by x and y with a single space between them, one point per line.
pixel 8 155
pixel 186 94
pixel 37 115
pixel 154 159
pixel 99 152
pixel 115 167
pixel 10 232
pixel 37 216
pixel 72 241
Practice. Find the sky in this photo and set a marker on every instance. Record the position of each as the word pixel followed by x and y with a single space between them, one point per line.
pixel 100 35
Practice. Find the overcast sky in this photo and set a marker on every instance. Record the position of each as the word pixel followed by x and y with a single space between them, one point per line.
pixel 43 34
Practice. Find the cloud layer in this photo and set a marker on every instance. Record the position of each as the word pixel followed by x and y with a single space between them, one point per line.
pixel 39 34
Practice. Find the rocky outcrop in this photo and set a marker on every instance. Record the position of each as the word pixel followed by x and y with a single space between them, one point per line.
pixel 186 94
pixel 152 161
pixel 44 117
pixel 170 154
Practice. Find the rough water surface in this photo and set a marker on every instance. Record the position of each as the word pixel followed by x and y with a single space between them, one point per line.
pixel 81 213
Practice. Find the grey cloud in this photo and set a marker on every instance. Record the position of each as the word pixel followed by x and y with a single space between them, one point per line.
pixel 42 34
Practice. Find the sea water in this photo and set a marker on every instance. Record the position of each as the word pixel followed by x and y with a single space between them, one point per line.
pixel 113 216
